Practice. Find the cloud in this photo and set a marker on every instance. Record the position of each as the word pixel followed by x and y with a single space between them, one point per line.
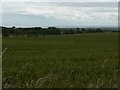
pixel 59 0
pixel 62 13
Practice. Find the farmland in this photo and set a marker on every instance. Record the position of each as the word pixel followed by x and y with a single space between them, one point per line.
pixel 61 61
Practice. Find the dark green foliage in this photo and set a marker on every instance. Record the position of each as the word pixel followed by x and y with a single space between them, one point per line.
pixel 53 31
pixel 78 30
pixel 36 31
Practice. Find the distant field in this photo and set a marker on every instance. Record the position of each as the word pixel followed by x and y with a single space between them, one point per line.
pixel 84 60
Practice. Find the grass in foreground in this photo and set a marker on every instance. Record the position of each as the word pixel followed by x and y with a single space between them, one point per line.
pixel 85 60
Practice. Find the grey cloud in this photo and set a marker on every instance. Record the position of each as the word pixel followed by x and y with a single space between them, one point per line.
pixel 62 10
pixel 83 4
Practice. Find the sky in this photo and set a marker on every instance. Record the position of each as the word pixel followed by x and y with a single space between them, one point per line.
pixel 77 13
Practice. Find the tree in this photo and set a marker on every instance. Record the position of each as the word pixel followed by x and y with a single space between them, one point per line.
pixel 99 30
pixel 83 29
pixel 53 31
pixel 78 30
pixel 13 27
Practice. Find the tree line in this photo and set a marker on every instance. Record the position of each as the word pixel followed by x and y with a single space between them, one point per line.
pixel 36 31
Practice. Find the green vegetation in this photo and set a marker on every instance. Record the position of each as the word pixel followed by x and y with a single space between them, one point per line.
pixel 84 60
pixel 37 31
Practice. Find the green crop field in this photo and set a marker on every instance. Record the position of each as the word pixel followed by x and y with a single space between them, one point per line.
pixel 87 60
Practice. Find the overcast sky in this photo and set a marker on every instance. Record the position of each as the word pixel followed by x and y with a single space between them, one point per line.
pixel 62 14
